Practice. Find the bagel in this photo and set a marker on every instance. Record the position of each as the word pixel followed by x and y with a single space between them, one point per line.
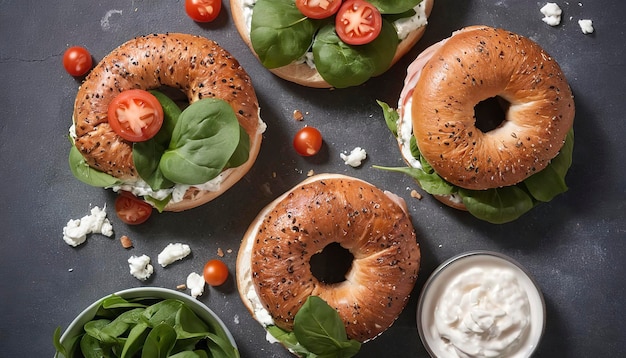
pixel 303 72
pixel 475 167
pixel 196 66
pixel 274 267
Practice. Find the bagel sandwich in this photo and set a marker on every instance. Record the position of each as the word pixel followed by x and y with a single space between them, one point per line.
pixel 309 52
pixel 292 273
pixel 498 165
pixel 204 145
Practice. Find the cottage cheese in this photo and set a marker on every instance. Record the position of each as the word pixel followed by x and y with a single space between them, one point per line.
pixel 355 158
pixel 76 231
pixel 140 267
pixel 195 283
pixel 173 252
pixel 552 14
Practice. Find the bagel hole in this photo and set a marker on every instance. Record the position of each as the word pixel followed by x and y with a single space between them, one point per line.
pixel 175 95
pixel 490 113
pixel 331 264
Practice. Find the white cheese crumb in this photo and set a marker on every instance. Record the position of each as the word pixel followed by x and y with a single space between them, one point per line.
pixel 355 158
pixel 76 231
pixel 173 252
pixel 586 26
pixel 195 283
pixel 552 14
pixel 140 267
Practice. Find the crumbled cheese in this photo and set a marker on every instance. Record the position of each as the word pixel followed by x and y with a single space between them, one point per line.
pixel 140 267
pixel 76 231
pixel 356 156
pixel 552 14
pixel 195 283
pixel 173 252
pixel 586 26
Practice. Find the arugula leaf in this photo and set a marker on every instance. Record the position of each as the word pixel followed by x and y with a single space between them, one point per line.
pixel 343 65
pixel 279 33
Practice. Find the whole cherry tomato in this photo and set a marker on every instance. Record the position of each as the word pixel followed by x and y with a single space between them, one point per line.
pixel 203 10
pixel 215 272
pixel 77 61
pixel 308 141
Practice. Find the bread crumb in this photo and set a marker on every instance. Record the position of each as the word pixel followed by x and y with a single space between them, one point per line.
pixel 310 173
pixel 297 115
pixel 220 252
pixel 181 287
pixel 416 195
pixel 230 251
pixel 126 242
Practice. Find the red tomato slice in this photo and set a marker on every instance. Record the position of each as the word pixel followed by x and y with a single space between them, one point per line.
pixel 203 10
pixel 318 9
pixel 77 61
pixel 358 22
pixel 132 210
pixel 215 272
pixel 308 141
pixel 136 115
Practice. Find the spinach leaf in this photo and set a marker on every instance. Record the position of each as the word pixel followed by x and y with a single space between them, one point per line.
pixel 498 205
pixel 394 6
pixel 279 33
pixel 88 175
pixel 550 181
pixel 136 338
pixel 147 154
pixel 289 340
pixel 159 342
pixel 205 137
pixel 318 327
pixel 91 347
pixel 343 65
pixel 162 312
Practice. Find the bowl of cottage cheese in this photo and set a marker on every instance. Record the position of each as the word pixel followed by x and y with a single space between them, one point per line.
pixel 481 304
pixel 143 320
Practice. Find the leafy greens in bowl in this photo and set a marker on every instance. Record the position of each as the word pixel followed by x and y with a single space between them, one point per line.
pixel 146 322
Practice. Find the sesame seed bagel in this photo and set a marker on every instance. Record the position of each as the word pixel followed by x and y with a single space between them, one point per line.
pixel 300 72
pixel 196 66
pixel 273 265
pixel 476 64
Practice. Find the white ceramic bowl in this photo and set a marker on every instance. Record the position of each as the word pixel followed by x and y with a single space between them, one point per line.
pixel 76 326
pixel 448 274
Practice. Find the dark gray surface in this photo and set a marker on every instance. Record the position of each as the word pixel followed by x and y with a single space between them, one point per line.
pixel 573 246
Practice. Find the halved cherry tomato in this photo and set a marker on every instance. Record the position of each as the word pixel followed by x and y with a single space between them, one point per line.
pixel 203 10
pixel 132 210
pixel 318 9
pixel 136 115
pixel 308 141
pixel 215 272
pixel 358 22
pixel 77 61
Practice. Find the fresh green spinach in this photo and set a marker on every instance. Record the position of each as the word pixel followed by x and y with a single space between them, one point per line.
pixel 88 175
pixel 318 331
pixel 126 328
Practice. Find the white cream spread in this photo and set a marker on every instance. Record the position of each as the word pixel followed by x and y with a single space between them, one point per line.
pixel 355 157
pixel 173 252
pixel 551 14
pixel 76 230
pixel 482 306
